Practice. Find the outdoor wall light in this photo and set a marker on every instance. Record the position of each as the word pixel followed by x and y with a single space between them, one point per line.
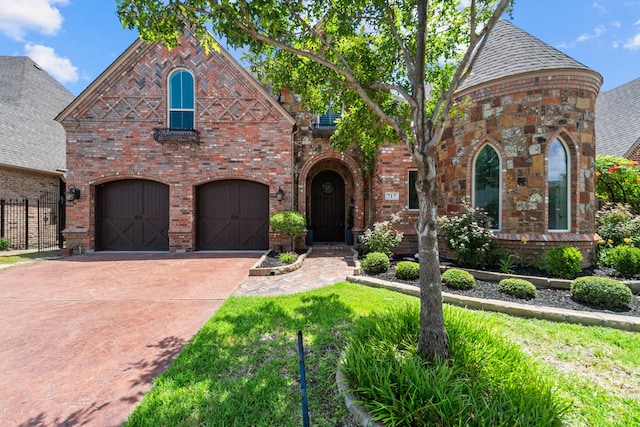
pixel 279 194
pixel 72 194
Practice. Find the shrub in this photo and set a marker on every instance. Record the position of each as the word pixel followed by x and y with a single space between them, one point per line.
pixel 617 225
pixel 289 223
pixel 469 237
pixel 383 237
pixel 617 181
pixel 518 288
pixel 287 257
pixel 458 279
pixel 625 259
pixel 376 262
pixel 601 291
pixel 563 261
pixel 4 244
pixel 408 270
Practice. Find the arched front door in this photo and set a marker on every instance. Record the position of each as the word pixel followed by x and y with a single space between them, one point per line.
pixel 327 214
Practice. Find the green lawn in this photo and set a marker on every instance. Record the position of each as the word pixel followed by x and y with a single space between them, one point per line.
pixel 6 257
pixel 241 369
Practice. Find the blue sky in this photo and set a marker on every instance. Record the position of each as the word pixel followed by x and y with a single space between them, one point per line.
pixel 75 40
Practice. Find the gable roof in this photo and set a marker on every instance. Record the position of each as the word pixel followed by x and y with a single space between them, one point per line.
pixel 139 43
pixel 30 99
pixel 617 124
pixel 511 52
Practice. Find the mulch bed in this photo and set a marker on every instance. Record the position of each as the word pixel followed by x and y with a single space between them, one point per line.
pixel 272 260
pixel 558 298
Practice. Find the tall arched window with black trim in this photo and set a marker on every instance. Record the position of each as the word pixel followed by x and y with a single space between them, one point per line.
pixel 181 100
pixel 558 186
pixel 486 184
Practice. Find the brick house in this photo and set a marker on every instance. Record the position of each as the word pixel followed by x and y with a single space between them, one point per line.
pixel 32 150
pixel 524 149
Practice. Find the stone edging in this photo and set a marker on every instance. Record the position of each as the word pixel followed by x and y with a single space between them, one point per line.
pixel 625 323
pixel 356 409
pixel 274 271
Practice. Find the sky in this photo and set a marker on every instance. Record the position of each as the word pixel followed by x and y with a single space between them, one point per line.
pixel 76 40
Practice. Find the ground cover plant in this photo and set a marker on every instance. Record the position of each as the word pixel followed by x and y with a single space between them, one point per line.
pixel 241 369
pixel 487 382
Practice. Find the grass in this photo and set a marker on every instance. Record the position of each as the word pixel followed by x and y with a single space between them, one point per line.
pixel 241 369
pixel 7 258
pixel 488 381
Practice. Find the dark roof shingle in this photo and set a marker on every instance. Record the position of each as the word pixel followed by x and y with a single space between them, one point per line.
pixel 30 99
pixel 617 130
pixel 511 51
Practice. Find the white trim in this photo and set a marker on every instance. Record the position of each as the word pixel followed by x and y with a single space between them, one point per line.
pixel 409 191
pixel 169 109
pixel 473 181
pixel 568 178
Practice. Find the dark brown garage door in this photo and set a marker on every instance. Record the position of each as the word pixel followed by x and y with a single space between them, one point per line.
pixel 233 215
pixel 132 215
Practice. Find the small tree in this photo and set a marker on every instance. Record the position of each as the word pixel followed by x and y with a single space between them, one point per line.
pixel 396 65
pixel 289 223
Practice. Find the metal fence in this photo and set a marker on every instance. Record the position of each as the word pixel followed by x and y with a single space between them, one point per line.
pixel 33 224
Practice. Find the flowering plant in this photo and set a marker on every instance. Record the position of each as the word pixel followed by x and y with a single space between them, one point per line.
pixel 469 236
pixel 618 181
pixel 384 236
pixel 617 225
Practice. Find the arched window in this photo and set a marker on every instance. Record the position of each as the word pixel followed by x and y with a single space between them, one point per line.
pixel 558 184
pixel 486 184
pixel 181 100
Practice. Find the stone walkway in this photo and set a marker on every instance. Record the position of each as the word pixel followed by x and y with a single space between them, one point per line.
pixel 326 265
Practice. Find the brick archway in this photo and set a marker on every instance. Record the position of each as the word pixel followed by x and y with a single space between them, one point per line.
pixel 330 161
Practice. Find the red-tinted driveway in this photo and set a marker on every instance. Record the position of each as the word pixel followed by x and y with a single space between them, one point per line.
pixel 82 338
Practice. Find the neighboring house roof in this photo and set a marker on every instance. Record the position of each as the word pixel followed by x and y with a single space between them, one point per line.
pixel 617 124
pixel 30 99
pixel 510 52
pixel 131 50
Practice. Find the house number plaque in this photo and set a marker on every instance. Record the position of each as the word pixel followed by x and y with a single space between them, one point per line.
pixel 391 195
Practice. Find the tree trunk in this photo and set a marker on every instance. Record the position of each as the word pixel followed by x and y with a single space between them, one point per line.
pixel 432 343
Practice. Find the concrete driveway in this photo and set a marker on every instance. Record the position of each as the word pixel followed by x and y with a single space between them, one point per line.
pixel 82 338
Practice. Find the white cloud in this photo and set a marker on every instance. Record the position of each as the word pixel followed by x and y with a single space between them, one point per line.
pixel 616 24
pixel 60 68
pixel 633 43
pixel 637 22
pixel 597 32
pixel 598 6
pixel 17 17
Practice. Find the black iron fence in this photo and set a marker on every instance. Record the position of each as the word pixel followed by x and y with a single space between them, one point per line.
pixel 33 224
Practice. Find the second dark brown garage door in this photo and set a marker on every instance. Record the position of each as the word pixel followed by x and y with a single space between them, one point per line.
pixel 232 215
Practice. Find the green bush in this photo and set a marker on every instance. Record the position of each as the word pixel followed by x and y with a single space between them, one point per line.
pixel 625 259
pixel 458 279
pixel 563 261
pixel 518 288
pixel 376 262
pixel 617 225
pixel 383 237
pixel 601 291
pixel 408 270
pixel 287 257
pixel 289 223
pixel 468 235
pixel 4 244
